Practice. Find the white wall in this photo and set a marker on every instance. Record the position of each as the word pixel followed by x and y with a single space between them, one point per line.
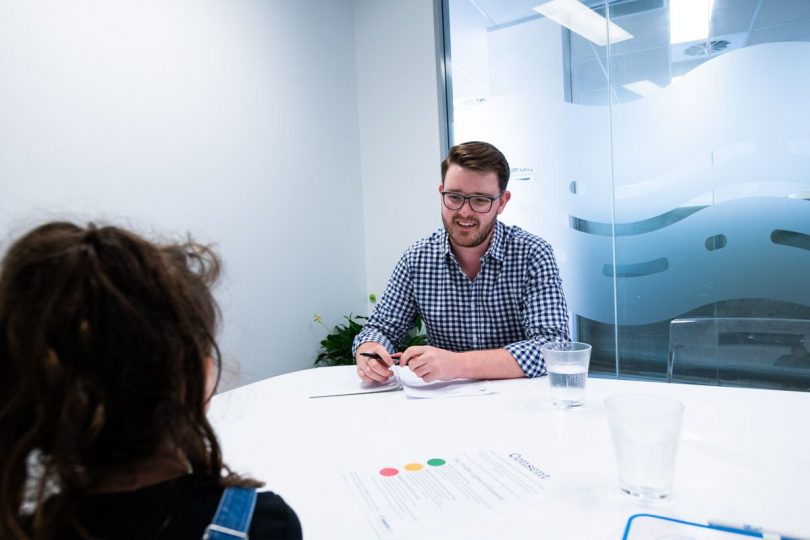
pixel 234 120
pixel 399 128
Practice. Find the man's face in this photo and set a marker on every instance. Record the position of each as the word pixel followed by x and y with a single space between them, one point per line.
pixel 465 226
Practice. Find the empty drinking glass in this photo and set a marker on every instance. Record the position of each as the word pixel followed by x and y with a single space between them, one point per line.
pixel 645 431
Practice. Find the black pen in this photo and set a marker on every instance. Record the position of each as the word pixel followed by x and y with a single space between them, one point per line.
pixel 376 356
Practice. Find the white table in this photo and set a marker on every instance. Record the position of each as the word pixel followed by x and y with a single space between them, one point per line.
pixel 744 455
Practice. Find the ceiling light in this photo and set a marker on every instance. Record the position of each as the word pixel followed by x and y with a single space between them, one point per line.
pixel 689 20
pixel 582 20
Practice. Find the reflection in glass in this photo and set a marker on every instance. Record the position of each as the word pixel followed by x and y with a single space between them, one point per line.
pixel 669 170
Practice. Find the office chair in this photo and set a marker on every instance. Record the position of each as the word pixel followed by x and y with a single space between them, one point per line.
pixel 738 351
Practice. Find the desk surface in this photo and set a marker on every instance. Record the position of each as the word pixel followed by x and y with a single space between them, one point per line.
pixel 744 455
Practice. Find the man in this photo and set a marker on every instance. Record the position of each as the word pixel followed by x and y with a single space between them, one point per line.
pixel 490 294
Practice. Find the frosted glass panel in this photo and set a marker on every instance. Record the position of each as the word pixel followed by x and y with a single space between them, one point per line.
pixel 711 174
pixel 671 175
pixel 522 106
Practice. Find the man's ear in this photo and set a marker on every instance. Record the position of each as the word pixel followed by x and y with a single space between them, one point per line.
pixel 503 200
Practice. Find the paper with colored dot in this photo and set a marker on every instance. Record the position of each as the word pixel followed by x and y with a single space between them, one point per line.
pixel 402 498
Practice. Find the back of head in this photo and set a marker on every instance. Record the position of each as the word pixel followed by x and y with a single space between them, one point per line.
pixel 103 341
pixel 478 156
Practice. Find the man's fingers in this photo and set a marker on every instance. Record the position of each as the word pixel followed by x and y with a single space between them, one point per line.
pixel 420 370
pixel 362 373
pixel 411 353
pixel 371 377
pixel 374 371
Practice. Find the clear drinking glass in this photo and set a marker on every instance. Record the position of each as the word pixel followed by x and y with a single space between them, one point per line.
pixel 567 366
pixel 645 431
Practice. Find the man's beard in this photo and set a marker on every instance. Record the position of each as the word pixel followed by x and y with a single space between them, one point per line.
pixel 470 239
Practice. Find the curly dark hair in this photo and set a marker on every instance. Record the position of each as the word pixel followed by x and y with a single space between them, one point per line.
pixel 104 337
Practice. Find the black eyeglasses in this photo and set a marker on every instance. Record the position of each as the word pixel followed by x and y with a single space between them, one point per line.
pixel 479 203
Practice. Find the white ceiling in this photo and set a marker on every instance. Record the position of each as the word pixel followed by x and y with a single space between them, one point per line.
pixel 649 54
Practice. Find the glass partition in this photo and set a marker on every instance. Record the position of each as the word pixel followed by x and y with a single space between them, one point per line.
pixel 661 146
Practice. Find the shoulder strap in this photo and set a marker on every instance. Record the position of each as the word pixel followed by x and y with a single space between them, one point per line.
pixel 232 519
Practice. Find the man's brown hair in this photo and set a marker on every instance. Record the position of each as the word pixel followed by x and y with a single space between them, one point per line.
pixel 478 156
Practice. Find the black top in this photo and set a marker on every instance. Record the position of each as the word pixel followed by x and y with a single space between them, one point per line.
pixel 175 510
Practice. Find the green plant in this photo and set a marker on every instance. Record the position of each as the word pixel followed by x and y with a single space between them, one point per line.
pixel 336 347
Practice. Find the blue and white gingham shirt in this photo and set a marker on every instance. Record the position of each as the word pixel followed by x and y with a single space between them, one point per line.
pixel 516 302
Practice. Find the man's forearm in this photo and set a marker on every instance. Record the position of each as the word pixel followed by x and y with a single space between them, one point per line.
pixel 490 364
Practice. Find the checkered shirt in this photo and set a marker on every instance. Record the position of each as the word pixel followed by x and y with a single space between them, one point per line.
pixel 516 302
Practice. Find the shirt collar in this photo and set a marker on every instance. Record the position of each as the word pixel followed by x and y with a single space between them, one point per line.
pixel 498 245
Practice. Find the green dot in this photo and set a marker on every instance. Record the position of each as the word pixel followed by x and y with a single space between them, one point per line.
pixel 436 462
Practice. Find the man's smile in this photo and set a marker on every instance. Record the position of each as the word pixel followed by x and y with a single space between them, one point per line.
pixel 466 223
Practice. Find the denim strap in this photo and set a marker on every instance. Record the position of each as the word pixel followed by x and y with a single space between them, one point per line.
pixel 232 519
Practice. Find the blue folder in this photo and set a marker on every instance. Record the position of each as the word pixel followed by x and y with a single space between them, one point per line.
pixel 652 527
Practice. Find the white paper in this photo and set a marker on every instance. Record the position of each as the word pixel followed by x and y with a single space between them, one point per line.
pixel 403 499
pixel 417 388
pixel 345 382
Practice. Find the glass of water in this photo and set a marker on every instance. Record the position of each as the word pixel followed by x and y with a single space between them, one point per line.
pixel 567 366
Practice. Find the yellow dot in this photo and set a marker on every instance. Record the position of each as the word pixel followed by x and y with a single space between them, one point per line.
pixel 413 467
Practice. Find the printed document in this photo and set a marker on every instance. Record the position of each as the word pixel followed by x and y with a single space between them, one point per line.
pixel 403 499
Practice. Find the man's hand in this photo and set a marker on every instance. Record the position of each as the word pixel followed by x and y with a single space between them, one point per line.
pixel 371 370
pixel 432 364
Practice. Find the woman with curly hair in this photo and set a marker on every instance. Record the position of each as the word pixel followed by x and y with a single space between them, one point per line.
pixel 107 362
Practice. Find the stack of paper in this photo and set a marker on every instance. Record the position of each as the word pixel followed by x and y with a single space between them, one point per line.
pixel 346 383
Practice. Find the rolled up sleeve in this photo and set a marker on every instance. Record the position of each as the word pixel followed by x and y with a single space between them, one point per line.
pixel 544 314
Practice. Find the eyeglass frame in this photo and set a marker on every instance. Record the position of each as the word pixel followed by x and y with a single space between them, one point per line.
pixel 468 200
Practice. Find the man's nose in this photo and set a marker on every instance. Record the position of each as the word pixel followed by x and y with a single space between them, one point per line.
pixel 464 209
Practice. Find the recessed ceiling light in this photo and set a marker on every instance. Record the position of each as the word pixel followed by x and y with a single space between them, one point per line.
pixel 582 20
pixel 689 20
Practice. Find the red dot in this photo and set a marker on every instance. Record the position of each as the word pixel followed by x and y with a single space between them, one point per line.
pixel 389 471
